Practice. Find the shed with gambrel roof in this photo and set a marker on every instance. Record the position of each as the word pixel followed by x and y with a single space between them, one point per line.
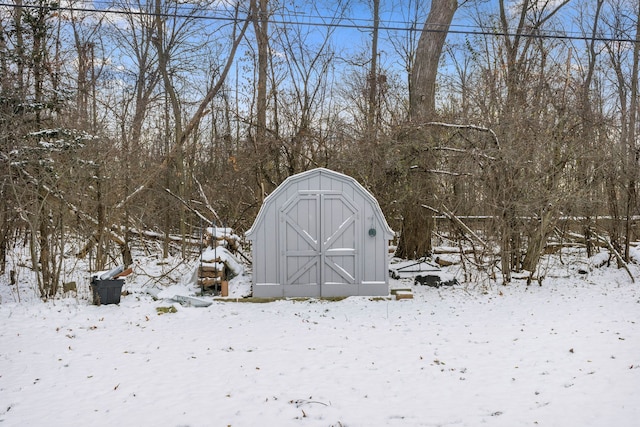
pixel 320 234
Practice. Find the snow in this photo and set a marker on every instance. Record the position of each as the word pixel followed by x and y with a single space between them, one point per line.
pixel 566 353
pixel 222 232
pixel 222 254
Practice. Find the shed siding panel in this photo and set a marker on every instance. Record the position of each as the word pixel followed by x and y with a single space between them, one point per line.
pixel 269 255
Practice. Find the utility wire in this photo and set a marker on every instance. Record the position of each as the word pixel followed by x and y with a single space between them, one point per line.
pixel 480 32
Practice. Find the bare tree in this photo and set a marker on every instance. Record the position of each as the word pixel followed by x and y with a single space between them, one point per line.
pixel 591 122
pixel 633 153
pixel 525 60
pixel 417 226
pixel 621 175
pixel 32 139
pixel 166 40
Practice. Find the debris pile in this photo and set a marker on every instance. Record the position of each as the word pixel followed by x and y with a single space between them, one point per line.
pixel 423 272
pixel 218 263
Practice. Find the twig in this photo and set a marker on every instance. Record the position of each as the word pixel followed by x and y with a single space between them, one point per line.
pixel 300 402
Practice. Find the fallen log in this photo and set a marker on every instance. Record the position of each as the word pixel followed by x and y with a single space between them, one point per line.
pixel 604 242
pixel 615 253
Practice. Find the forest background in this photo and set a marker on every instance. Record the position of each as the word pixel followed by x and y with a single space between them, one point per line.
pixel 500 126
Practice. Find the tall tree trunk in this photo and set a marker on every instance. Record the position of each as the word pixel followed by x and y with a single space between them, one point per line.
pixel 422 98
pixel 176 167
pixel 262 147
pixel 373 74
pixel 588 125
pixel 260 16
pixel 417 223
pixel 632 154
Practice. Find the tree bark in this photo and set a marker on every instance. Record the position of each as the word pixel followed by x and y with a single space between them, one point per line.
pixel 422 98
pixel 417 224
pixel 373 74
pixel 632 154
pixel 260 20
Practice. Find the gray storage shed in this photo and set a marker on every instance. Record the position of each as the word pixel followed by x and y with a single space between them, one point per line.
pixel 320 234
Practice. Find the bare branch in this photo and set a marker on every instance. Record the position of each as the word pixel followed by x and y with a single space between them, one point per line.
pixel 453 218
pixel 206 200
pixel 190 127
pixel 616 254
pixel 457 126
pixel 181 200
pixel 462 151
pixel 438 171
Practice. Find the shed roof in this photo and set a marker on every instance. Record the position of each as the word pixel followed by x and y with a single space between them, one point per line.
pixel 322 172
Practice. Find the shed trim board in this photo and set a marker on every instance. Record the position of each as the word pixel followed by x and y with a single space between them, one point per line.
pixel 320 233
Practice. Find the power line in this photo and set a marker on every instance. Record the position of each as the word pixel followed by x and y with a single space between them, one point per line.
pixel 342 25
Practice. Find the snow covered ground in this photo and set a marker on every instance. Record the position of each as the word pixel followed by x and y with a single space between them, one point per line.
pixel 563 354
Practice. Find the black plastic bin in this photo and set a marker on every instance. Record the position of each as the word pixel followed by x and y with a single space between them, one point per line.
pixel 106 291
